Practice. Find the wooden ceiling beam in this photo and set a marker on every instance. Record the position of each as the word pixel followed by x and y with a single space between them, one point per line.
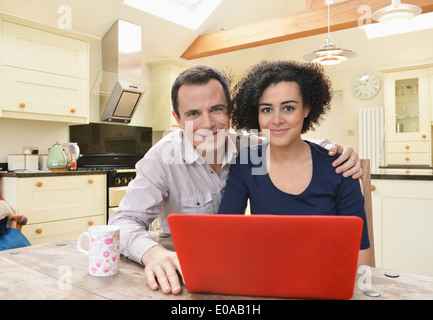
pixel 314 4
pixel 343 15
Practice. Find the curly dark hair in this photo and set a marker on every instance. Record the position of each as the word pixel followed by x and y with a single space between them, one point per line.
pixel 314 85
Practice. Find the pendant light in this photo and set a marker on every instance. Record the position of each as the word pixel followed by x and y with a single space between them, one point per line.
pixel 329 54
pixel 396 10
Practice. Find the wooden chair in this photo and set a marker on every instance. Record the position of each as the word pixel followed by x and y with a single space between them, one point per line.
pixel 366 190
pixel 17 221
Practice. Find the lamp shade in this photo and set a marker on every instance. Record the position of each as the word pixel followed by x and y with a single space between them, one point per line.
pixel 396 10
pixel 329 54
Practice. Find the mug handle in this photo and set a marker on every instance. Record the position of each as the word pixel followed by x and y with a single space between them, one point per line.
pixel 79 248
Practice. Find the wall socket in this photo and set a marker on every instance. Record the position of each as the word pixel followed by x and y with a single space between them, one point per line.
pixel 30 150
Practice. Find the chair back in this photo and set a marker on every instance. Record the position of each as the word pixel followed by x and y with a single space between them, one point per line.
pixel 366 190
pixel 11 236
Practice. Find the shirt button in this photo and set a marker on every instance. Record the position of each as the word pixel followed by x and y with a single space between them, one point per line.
pixel 212 172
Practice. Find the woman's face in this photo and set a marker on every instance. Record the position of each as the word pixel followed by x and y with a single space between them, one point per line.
pixel 282 113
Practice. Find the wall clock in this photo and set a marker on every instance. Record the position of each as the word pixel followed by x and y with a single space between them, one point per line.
pixel 366 85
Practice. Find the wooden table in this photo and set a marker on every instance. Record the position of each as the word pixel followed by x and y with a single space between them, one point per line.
pixel 59 271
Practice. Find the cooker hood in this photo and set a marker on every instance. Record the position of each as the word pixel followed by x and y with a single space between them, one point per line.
pixel 121 72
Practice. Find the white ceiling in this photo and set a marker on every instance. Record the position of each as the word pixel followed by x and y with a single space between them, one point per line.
pixel 95 17
pixel 163 39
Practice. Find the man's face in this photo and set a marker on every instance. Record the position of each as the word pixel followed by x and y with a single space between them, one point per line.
pixel 203 114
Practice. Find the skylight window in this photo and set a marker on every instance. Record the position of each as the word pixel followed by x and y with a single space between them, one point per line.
pixel 188 13
pixel 190 4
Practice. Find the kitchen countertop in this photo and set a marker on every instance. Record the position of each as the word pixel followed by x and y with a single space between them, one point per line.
pixel 42 173
pixel 381 173
pixel 402 174
pixel 42 271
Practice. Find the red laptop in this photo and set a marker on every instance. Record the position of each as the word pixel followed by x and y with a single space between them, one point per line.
pixel 268 255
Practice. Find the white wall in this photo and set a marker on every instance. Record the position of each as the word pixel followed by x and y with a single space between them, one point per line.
pixel 341 81
pixel 411 48
pixel 407 49
pixel 16 134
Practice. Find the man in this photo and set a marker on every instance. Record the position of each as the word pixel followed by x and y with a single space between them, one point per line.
pixel 186 172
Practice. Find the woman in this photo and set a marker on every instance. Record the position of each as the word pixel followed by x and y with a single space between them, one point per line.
pixel 288 175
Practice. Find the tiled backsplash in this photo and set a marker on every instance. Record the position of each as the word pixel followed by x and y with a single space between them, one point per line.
pixel 111 138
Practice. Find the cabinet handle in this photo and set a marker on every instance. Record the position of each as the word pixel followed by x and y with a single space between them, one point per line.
pixel 424 136
pixel 407 158
pixel 22 105
pixel 38 230
pixel 407 147
pixel 373 187
pixel 90 181
pixel 90 223
pixel 73 110
pixel 39 184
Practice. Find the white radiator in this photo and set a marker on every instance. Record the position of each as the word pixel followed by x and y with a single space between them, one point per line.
pixel 371 135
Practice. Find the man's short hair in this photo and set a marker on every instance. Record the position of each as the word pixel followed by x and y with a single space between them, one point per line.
pixel 199 74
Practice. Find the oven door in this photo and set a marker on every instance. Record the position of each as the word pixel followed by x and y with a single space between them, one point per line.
pixel 115 195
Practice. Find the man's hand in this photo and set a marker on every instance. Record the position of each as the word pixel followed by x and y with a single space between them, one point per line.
pixel 352 167
pixel 160 267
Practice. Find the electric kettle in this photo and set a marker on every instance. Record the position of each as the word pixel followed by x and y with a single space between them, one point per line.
pixel 74 148
pixel 57 160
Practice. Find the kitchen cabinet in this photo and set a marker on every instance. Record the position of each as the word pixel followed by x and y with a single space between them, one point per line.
pixel 43 96
pixel 408 99
pixel 57 207
pixel 403 224
pixel 44 75
pixel 163 74
pixel 34 49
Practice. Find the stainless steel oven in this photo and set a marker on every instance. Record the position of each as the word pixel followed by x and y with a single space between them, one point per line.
pixel 113 148
pixel 117 182
pixel 120 169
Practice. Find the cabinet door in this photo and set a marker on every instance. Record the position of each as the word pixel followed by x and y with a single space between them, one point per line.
pixel 407 105
pixel 48 199
pixel 408 158
pixel 34 49
pixel 403 224
pixel 60 230
pixel 409 147
pixel 43 96
pixel 163 74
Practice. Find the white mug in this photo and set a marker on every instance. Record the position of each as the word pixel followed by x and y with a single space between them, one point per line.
pixel 103 251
